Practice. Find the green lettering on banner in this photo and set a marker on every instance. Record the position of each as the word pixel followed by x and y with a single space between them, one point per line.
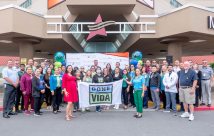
pixel 100 98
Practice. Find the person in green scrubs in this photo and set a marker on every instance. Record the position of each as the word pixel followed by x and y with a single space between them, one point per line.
pixel 138 83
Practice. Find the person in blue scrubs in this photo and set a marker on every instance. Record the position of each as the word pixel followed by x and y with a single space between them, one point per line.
pixel 138 83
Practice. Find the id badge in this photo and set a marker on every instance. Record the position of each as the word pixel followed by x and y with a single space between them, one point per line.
pixel 204 74
pixel 145 76
pixel 5 85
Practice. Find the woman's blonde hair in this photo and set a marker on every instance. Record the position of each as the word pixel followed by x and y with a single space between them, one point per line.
pixel 162 70
pixel 87 75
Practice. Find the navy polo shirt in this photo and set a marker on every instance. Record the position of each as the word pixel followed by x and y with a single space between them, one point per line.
pixel 186 79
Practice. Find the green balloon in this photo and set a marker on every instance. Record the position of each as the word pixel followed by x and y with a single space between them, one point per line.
pixel 57 64
pixel 140 61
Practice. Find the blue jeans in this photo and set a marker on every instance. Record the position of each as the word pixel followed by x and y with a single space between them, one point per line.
pixel 145 98
pixel 170 97
pixel 97 108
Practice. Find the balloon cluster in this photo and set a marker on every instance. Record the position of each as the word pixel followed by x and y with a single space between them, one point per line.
pixel 59 57
pixel 136 56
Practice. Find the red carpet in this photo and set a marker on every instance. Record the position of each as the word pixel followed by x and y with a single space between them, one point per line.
pixel 203 108
pixel 1 108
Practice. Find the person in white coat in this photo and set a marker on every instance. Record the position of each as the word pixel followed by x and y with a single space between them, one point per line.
pixel 170 80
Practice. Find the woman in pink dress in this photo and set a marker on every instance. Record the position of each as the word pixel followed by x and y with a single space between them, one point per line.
pixel 69 86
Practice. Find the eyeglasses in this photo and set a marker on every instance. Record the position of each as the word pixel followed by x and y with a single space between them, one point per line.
pixel 204 62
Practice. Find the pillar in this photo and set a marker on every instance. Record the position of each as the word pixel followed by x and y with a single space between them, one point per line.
pixel 175 46
pixel 26 48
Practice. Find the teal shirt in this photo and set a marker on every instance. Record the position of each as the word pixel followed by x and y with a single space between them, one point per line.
pixel 88 80
pixel 162 85
pixel 137 82
pixel 124 82
pixel 146 77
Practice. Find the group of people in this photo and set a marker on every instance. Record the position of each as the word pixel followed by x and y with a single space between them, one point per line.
pixel 183 83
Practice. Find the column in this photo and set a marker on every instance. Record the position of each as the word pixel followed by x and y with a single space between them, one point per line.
pixel 26 48
pixel 175 46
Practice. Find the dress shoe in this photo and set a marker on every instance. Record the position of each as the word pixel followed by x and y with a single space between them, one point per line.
pixel 153 107
pixel 135 115
pixel 133 106
pixel 6 116
pixel 202 104
pixel 130 105
pixel 139 116
pixel 13 113
pixel 209 105
pixel 23 109
pixel 18 111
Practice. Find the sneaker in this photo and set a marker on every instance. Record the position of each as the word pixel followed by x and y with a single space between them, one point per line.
pixel 209 105
pixel 114 107
pixel 27 112
pixel 185 115
pixel 166 111
pixel 191 118
pixel 32 110
pixel 83 112
pixel 40 112
pixel 202 104
pixel 99 111
pixel 88 110
pixel 158 108
pixel 175 113
pixel 153 107
pixel 18 111
pixel 37 114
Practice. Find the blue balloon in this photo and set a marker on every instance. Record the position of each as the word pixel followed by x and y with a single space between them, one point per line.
pixel 134 62
pixel 63 63
pixel 135 66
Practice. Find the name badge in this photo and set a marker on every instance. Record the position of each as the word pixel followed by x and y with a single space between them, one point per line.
pixel 60 78
pixel 204 74
pixel 145 76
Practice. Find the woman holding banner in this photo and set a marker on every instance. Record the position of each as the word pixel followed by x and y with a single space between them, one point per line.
pixel 125 88
pixel 88 79
pixel 107 79
pixel 70 90
pixel 138 83
pixel 116 77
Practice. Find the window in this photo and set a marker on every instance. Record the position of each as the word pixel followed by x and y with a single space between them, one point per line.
pixel 26 4
pixel 118 42
pixel 175 3
pixel 83 42
pixel 74 29
pixel 100 47
pixel 127 28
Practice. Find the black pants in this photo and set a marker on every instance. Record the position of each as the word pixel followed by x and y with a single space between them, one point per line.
pixel 149 94
pixel 41 100
pixel 56 97
pixel 125 95
pixel 37 104
pixel 196 99
pixel 8 100
pixel 131 95
pixel 76 104
pixel 18 96
pixel 48 96
pixel 164 98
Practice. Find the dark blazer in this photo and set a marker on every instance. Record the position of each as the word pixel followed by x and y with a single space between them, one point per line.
pixel 198 90
pixel 155 81
pixel 36 91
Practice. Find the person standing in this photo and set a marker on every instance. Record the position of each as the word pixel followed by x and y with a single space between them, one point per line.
pixel 11 81
pixel 78 80
pixel 96 64
pixel 52 68
pixel 198 86
pixel 37 89
pixel 181 66
pixel 190 62
pixel 48 95
pixel 154 62
pixel 19 92
pixel 188 81
pixel 88 79
pixel 127 68
pixel 110 71
pixel 36 64
pixel 116 77
pixel 56 90
pixel 162 88
pixel 154 82
pixel 46 64
pixel 138 82
pixel 16 66
pixel 70 91
pixel 148 63
pixel 63 69
pixel 125 88
pixel 146 77
pixel 206 83
pixel 93 72
pixel 82 72
pixel 30 64
pixel 120 70
pixel 131 74
pixel 26 87
pixel 107 78
pixel 43 67
pixel 98 78
pixel 170 80
pixel 139 66
pixel 158 68
pixel 176 68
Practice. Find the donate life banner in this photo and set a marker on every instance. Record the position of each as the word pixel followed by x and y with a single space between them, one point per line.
pixel 92 94
pixel 87 59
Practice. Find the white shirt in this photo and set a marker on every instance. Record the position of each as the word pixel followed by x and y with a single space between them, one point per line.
pixel 176 69
pixel 16 69
pixel 171 82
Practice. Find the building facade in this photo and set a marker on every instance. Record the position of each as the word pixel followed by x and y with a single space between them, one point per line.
pixel 40 28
